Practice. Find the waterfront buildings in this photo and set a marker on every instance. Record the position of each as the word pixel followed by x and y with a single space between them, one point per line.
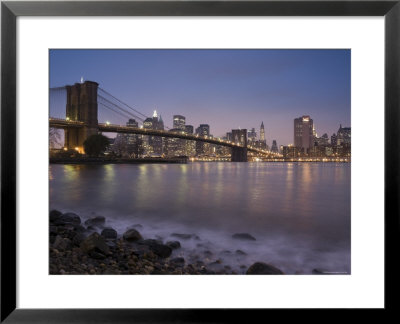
pixel 252 136
pixel 239 136
pixel 203 148
pixel 263 141
pixel 274 147
pixel 153 145
pixel 307 143
pixel 343 135
pixel 303 133
pixel 179 122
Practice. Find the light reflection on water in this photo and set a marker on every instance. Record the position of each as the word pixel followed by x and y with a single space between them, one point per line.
pixel 299 212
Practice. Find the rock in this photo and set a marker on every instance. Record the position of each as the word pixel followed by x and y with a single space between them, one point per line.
pixel 263 268
pixel 95 243
pixel 161 250
pixel 173 244
pixel 111 244
pixel 320 271
pixel 68 219
pixel 79 229
pixel 109 233
pixel 62 244
pixel 156 246
pixel 78 239
pixel 150 242
pixel 132 235
pixel 240 252
pixel 243 236
pixel 53 230
pixel 178 262
pixel 97 255
pixel 54 215
pixel 95 221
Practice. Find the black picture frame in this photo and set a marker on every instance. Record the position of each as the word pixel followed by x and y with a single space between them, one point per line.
pixel 10 10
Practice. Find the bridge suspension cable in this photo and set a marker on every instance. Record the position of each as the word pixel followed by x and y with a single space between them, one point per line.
pixel 117 107
pixel 142 119
pixel 120 101
pixel 114 110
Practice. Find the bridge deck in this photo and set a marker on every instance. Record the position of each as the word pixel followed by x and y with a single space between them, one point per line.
pixel 111 128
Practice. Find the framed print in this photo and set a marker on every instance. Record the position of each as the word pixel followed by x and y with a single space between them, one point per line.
pixel 184 153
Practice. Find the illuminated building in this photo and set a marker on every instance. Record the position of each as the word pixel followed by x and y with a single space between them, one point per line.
pixel 334 140
pixel 153 144
pixel 274 147
pixel 190 149
pixel 179 122
pixel 239 136
pixel 343 135
pixel 303 133
pixel 252 136
pixel 263 141
pixel 201 147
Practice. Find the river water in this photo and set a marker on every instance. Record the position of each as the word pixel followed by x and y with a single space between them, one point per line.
pixel 299 213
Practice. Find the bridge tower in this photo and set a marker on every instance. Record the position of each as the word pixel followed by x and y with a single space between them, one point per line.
pixel 239 154
pixel 81 106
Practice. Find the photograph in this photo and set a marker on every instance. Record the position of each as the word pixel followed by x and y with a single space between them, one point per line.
pixel 199 161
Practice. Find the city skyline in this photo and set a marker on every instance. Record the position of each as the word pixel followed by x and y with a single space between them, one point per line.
pixel 238 74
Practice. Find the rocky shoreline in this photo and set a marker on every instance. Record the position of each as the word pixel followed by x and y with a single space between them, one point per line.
pixel 90 247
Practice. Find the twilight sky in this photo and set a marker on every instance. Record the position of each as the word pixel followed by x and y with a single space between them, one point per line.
pixel 226 89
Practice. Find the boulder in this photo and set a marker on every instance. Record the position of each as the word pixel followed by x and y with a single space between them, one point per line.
pixel 161 250
pixel 79 229
pixel 95 243
pixel 53 230
pixel 132 235
pixel 78 239
pixel 109 233
pixel 68 219
pixel 156 246
pixel 243 236
pixel 62 244
pixel 320 271
pixel 263 268
pixel 178 262
pixel 173 244
pixel 95 221
pixel 54 215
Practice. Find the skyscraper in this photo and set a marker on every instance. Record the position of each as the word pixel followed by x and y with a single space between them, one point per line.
pixel 263 141
pixel 153 144
pixel 239 136
pixel 303 133
pixel 274 147
pixel 334 140
pixel 179 122
pixel 190 149
pixel 252 136
pixel 202 130
pixel 343 135
pixel 189 129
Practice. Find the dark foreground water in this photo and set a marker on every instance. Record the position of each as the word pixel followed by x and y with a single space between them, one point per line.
pixel 298 212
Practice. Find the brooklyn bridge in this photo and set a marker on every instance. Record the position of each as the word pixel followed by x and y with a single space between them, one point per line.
pixel 85 109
